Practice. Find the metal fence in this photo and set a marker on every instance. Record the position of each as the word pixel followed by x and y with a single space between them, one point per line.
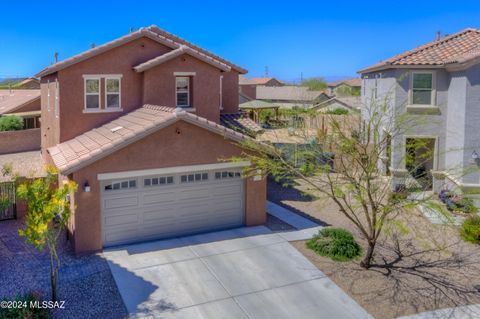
pixel 8 206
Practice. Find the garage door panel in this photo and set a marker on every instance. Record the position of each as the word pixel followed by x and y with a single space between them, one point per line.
pixel 162 211
pixel 121 202
pixel 121 220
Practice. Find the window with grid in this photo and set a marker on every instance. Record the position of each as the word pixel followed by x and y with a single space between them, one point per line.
pixel 112 92
pixel 92 94
pixel 183 91
pixel 422 88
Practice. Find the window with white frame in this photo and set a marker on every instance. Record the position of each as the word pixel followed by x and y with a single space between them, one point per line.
pixel 126 184
pixel 182 91
pixel 92 93
pixel 195 177
pixel 422 88
pixel 112 92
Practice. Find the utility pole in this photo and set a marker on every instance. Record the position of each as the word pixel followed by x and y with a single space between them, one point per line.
pixel 301 77
pixel 266 71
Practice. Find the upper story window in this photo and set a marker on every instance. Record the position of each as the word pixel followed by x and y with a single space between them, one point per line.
pixel 183 91
pixel 422 88
pixel 112 92
pixel 92 93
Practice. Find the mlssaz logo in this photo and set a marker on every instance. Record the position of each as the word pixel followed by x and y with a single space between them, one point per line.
pixel 47 304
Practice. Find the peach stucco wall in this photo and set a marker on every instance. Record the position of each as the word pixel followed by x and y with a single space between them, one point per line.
pixel 164 148
pixel 159 85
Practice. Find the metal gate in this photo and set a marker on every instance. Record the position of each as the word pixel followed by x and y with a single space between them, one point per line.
pixel 8 206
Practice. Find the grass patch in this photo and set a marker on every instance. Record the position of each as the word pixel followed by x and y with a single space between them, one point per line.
pixel 335 243
pixel 470 230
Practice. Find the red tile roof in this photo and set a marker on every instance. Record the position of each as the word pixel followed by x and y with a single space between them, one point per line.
pixel 456 48
pixel 95 144
pixel 151 32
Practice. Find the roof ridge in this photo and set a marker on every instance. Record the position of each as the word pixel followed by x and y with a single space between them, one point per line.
pixel 429 45
pixel 154 28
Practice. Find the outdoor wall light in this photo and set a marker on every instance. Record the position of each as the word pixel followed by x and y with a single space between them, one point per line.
pixel 86 187
pixel 475 158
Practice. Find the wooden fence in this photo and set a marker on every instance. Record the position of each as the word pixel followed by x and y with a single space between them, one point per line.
pixel 8 201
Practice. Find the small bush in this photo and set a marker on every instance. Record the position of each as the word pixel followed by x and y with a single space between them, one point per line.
pixel 336 243
pixel 337 111
pixel 470 230
pixel 25 311
pixel 465 205
pixel 11 123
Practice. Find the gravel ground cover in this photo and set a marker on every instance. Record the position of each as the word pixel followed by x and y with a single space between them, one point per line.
pixel 428 268
pixel 86 284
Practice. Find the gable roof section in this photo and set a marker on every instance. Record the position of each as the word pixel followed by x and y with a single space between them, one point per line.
pixel 287 93
pixel 351 102
pixel 152 32
pixel 183 49
pixel 350 82
pixel 12 100
pixel 196 47
pixel 456 48
pixel 255 81
pixel 100 142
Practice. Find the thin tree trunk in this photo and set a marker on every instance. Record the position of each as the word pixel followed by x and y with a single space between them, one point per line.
pixel 366 262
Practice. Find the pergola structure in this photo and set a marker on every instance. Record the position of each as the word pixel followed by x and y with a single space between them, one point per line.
pixel 254 107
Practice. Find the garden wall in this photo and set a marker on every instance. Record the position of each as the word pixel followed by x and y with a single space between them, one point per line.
pixel 20 141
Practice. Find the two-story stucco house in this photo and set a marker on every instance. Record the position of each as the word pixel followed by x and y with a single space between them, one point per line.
pixel 438 84
pixel 137 124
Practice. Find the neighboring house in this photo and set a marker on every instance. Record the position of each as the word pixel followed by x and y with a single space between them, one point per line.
pixel 247 86
pixel 23 103
pixel 137 124
pixel 20 83
pixel 349 103
pixel 289 96
pixel 438 85
pixel 348 87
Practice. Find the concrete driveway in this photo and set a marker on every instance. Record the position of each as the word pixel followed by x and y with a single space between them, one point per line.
pixel 240 273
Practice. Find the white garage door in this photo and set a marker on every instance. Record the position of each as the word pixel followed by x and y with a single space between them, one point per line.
pixel 169 205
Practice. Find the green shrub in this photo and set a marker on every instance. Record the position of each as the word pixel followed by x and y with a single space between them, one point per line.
pixel 25 311
pixel 336 243
pixel 11 123
pixel 466 205
pixel 470 230
pixel 337 111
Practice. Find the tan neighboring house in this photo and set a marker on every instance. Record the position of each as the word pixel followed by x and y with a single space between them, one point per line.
pixel 143 124
pixel 348 87
pixel 349 103
pixel 23 103
pixel 247 86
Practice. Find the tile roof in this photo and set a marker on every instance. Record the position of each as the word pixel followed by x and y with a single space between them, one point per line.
pixel 456 48
pixel 183 49
pixel 151 32
pixel 286 93
pixel 350 82
pixel 240 123
pixel 11 100
pixel 352 102
pixel 95 144
pixel 254 81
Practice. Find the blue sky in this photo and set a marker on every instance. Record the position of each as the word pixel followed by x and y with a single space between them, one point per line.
pixel 316 38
